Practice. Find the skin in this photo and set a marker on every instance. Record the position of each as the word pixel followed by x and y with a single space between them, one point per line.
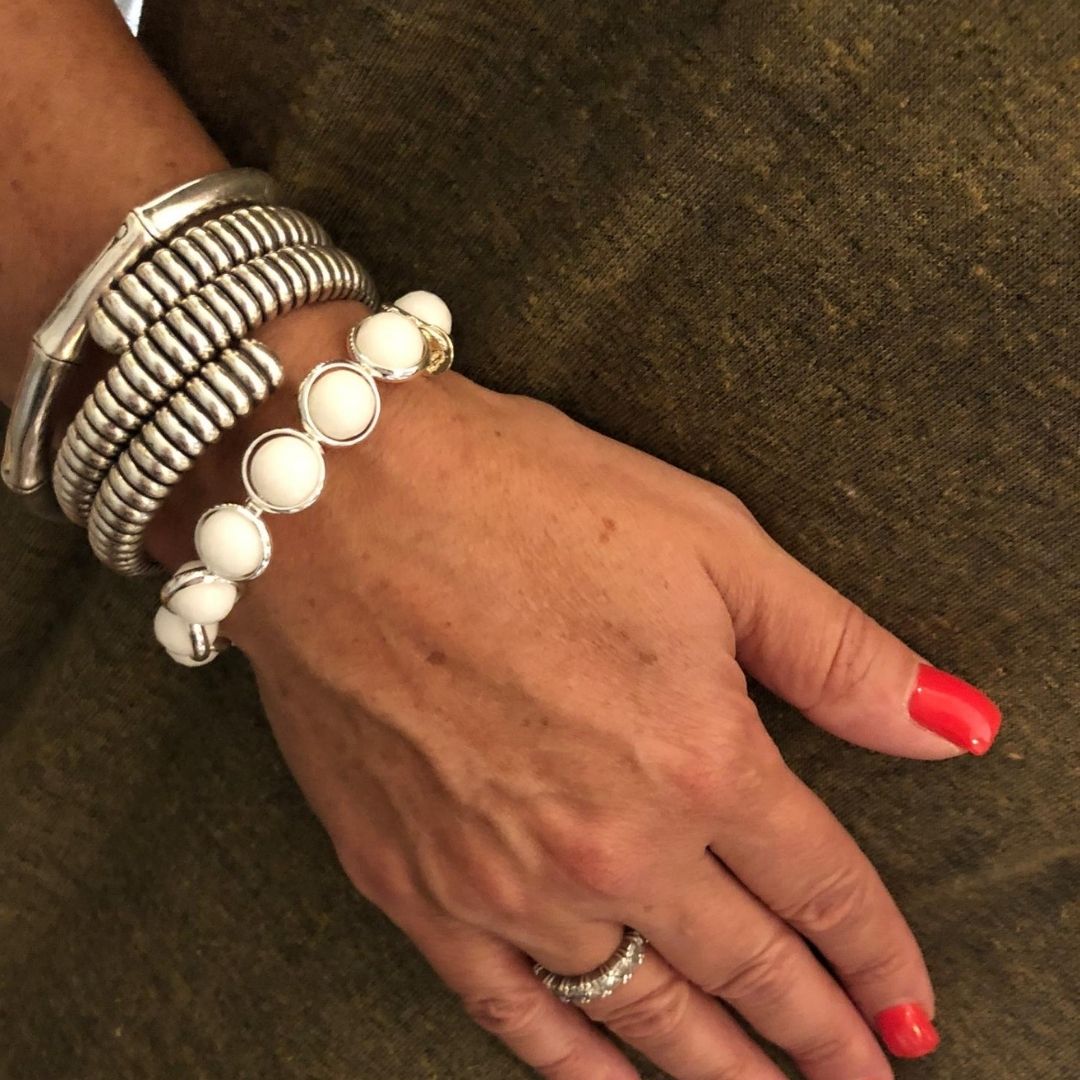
pixel 506 658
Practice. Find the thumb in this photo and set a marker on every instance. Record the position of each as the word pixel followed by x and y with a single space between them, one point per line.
pixel 817 650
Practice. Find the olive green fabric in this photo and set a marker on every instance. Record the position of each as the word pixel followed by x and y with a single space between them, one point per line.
pixel 823 253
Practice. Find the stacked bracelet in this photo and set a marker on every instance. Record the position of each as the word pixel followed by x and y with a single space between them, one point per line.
pixel 56 348
pixel 195 256
pixel 175 296
pixel 184 314
pixel 187 370
pixel 195 412
pixel 169 443
pixel 283 470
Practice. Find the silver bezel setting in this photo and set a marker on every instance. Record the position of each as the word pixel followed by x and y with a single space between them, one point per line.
pixel 185 579
pixel 201 646
pixel 253 514
pixel 438 345
pixel 216 648
pixel 254 498
pixel 440 348
pixel 389 374
pixel 308 385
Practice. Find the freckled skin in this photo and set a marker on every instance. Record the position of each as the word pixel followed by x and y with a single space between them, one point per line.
pixel 518 745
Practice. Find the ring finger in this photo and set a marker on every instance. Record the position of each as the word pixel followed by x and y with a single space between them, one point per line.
pixel 500 993
pixel 659 1012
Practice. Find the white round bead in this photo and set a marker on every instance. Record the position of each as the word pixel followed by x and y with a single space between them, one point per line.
pixel 391 341
pixel 427 307
pixel 203 601
pixel 341 404
pixel 174 634
pixel 231 544
pixel 285 471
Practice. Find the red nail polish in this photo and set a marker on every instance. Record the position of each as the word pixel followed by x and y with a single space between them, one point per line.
pixel 907 1031
pixel 954 709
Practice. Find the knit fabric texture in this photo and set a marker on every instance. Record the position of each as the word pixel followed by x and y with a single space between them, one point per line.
pixel 822 254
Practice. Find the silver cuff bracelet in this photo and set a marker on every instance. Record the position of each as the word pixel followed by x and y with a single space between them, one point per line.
pixel 57 345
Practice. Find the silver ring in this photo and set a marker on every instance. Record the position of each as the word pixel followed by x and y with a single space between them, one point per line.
pixel 602 981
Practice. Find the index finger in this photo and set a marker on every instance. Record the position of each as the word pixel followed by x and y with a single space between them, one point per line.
pixel 787 848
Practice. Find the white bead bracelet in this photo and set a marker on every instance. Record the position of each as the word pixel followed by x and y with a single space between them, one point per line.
pixel 284 472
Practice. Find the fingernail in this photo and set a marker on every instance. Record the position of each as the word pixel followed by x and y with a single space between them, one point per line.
pixel 954 709
pixel 907 1031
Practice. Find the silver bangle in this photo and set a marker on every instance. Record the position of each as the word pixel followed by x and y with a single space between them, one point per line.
pixel 197 255
pixel 168 445
pixel 277 282
pixel 160 360
pixel 57 345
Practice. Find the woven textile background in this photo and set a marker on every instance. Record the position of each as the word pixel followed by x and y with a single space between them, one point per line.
pixel 823 252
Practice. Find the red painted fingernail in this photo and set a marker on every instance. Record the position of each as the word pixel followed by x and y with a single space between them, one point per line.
pixel 954 709
pixel 907 1031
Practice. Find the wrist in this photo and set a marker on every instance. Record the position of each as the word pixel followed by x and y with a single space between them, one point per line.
pixel 301 340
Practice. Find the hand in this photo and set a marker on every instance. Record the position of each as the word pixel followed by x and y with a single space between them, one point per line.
pixel 504 658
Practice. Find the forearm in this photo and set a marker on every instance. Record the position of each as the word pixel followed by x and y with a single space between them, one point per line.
pixel 88 129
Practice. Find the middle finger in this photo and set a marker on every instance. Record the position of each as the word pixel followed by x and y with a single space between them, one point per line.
pixel 788 849
pixel 726 941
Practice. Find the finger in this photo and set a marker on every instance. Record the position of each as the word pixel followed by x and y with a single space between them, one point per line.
pixel 799 637
pixel 500 992
pixel 672 1022
pixel 714 932
pixel 785 846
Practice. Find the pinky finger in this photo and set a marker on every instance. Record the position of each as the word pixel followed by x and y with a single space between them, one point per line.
pixel 499 991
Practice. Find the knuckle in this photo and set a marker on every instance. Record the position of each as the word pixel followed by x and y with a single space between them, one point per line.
pixel 570 1063
pixel 764 975
pixel 502 895
pixel 829 1050
pixel 832 904
pixel 605 874
pixel 384 880
pixel 603 865
pixel 737 1069
pixel 732 507
pixel 891 963
pixel 849 656
pixel 751 775
pixel 654 1015
pixel 509 1014
pixel 507 907
pixel 481 894
pixel 698 779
